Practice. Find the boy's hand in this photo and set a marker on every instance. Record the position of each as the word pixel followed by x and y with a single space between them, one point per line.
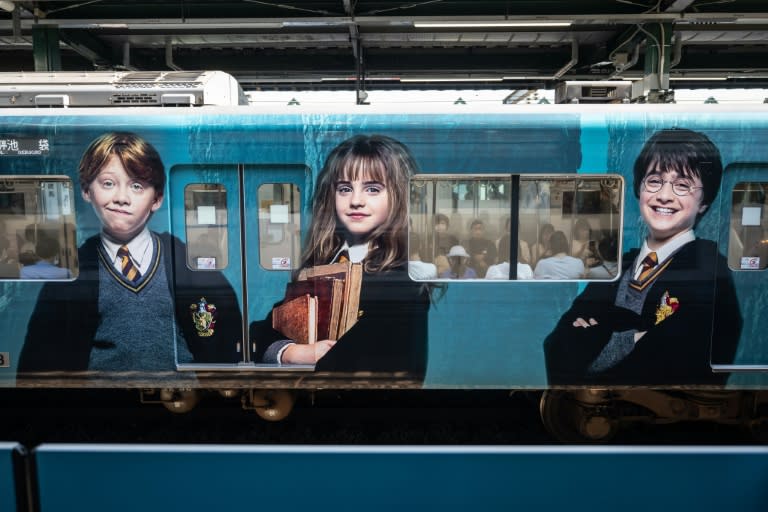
pixel 580 322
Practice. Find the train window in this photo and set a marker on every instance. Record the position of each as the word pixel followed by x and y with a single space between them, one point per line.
pixel 748 236
pixel 279 226
pixel 37 228
pixel 565 227
pixel 205 207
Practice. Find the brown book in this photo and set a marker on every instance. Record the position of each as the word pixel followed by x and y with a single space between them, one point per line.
pixel 352 294
pixel 352 275
pixel 297 319
pixel 329 292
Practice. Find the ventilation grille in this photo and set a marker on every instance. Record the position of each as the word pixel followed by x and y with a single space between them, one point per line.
pixel 135 99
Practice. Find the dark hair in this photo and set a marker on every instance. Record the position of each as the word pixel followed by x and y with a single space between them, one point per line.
pixel 47 247
pixel 441 217
pixel 383 159
pixel 476 222
pixel 545 228
pixel 608 248
pixel 504 244
pixel 690 154
pixel 558 243
pixel 139 158
pixel 580 225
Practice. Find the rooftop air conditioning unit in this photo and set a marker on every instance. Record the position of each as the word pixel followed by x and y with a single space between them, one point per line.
pixel 119 89
pixel 594 92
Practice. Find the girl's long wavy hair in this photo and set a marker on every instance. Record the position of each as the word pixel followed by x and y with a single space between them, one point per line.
pixel 369 157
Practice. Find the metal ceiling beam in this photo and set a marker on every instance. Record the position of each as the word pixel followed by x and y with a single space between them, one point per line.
pixel 89 47
pixel 313 47
pixel 726 20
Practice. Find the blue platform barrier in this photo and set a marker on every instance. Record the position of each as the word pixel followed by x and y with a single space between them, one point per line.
pixel 392 478
pixel 9 452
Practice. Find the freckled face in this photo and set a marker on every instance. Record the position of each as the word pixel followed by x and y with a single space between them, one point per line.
pixel 665 213
pixel 361 205
pixel 122 204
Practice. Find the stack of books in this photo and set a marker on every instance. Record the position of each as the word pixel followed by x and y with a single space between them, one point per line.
pixel 322 304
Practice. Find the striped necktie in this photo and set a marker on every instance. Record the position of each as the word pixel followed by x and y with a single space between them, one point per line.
pixel 126 265
pixel 649 263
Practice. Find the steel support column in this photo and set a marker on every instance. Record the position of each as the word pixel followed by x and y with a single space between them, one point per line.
pixel 45 48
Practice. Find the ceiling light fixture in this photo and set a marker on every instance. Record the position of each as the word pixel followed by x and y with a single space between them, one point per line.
pixel 474 79
pixel 698 78
pixel 7 5
pixel 490 24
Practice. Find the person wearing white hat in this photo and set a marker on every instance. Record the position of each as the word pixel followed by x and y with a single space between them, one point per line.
pixel 458 258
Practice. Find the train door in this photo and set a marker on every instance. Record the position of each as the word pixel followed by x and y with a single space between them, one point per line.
pixel 274 212
pixel 743 236
pixel 243 222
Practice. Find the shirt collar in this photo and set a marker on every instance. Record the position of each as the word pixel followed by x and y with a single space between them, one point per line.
pixel 356 253
pixel 666 250
pixel 140 247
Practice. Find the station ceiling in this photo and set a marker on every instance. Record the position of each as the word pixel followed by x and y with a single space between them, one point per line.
pixel 397 44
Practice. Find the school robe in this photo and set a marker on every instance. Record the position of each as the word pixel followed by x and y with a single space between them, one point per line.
pixel 676 348
pixel 390 334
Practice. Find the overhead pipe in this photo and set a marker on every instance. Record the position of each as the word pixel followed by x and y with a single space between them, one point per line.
pixel 169 55
pixel 574 60
pixel 677 51
pixel 127 55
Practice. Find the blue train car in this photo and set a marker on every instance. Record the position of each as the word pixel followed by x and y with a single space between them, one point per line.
pixel 249 204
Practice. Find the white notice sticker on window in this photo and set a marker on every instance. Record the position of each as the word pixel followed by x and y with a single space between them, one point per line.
pixel 279 214
pixel 750 263
pixel 750 216
pixel 206 215
pixel 281 263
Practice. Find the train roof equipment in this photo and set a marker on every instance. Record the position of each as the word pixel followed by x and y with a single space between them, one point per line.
pixel 120 89
pixel 605 91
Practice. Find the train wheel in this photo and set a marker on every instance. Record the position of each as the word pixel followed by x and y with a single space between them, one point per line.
pixel 757 423
pixel 179 400
pixel 570 421
pixel 271 404
pixel 758 428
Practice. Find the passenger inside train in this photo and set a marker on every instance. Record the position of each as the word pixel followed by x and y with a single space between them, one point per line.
pixel 573 205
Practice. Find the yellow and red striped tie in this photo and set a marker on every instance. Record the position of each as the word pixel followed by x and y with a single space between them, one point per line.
pixel 649 263
pixel 129 269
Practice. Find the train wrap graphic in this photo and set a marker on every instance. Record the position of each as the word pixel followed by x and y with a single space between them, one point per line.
pixel 457 221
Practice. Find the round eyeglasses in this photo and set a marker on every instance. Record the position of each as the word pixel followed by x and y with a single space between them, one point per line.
pixel 680 186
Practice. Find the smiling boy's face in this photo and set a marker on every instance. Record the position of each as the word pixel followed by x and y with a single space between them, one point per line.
pixel 122 204
pixel 667 214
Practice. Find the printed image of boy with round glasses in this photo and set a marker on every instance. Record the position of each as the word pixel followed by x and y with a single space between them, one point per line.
pixel 654 325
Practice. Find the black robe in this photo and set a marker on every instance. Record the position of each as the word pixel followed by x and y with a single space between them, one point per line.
pixel 390 335
pixel 677 350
